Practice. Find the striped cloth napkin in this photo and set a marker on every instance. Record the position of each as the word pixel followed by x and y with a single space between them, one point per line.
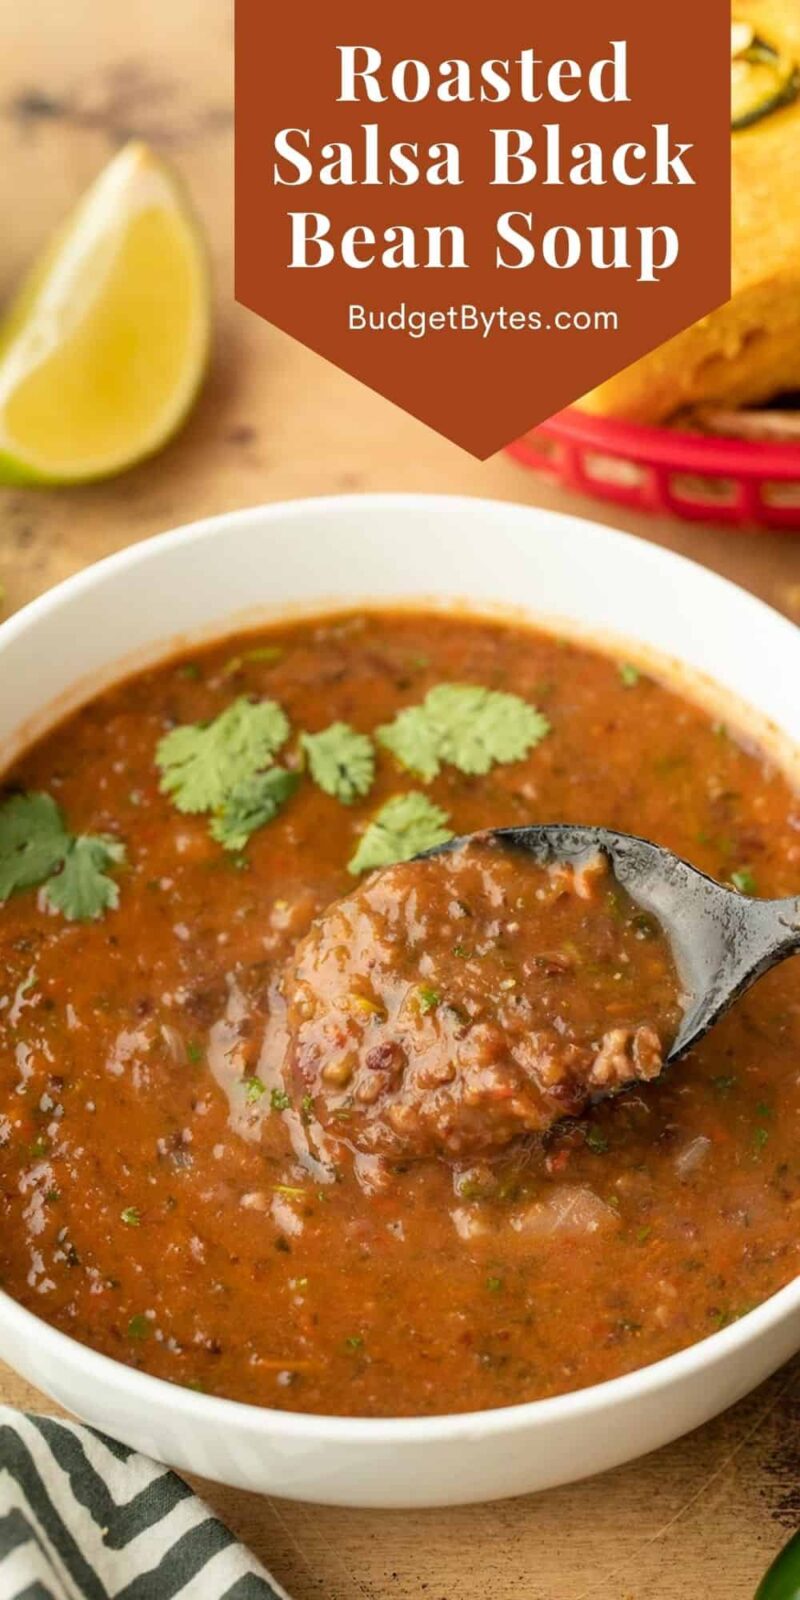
pixel 84 1518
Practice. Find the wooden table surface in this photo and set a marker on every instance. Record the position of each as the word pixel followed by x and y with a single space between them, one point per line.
pixel 703 1516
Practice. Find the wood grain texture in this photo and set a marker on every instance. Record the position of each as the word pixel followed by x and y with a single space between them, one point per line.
pixel 703 1516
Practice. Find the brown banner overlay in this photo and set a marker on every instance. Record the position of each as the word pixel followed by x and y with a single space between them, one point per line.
pixel 483 212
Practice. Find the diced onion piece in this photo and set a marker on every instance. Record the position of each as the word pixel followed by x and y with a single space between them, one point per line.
pixel 470 1222
pixel 572 1210
pixel 175 1043
pixel 692 1156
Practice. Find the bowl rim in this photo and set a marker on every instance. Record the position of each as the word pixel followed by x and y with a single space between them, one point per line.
pixel 323 1428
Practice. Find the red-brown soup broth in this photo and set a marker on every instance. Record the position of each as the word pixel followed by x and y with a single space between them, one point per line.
pixel 152 1212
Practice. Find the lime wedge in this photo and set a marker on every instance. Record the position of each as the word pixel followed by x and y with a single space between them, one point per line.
pixel 104 349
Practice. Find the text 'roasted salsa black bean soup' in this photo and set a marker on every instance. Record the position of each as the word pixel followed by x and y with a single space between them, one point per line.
pixel 309 1154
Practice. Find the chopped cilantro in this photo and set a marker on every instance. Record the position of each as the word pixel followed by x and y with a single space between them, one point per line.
pixel 354 1342
pixel 139 1326
pixel 494 1285
pixel 131 1217
pixel 667 766
pixel 470 1187
pixel 37 849
pixel 194 1052
pixel 307 1106
pixel 201 764
pixel 279 1100
pixel 253 1088
pixel 342 762
pixel 744 881
pixel 760 1138
pixel 596 1141
pixel 466 727
pixel 429 999
pixel 629 674
pixel 251 805
pixel 406 825
pixel 723 1083
pixel 267 653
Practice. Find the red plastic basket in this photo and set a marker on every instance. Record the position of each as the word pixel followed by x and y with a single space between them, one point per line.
pixel 657 469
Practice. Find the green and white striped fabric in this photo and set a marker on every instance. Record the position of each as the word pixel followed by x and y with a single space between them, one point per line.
pixel 84 1518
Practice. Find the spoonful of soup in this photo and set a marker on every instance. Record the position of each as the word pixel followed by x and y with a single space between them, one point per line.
pixel 505 981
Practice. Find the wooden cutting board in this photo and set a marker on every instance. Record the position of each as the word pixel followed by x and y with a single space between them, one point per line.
pixel 704 1516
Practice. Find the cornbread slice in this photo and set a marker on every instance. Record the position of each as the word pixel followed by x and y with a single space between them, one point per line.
pixel 747 351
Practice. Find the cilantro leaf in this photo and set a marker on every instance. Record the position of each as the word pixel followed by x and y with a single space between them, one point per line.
pixel 405 825
pixel 414 740
pixel 33 841
pixel 253 1088
pixel 82 890
pixel 252 804
pixel 429 998
pixel 202 763
pixel 37 848
pixel 466 726
pixel 342 762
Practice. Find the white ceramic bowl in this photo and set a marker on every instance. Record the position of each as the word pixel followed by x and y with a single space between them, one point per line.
pixel 324 553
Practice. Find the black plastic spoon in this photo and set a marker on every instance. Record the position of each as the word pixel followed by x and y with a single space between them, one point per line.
pixel 721 940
